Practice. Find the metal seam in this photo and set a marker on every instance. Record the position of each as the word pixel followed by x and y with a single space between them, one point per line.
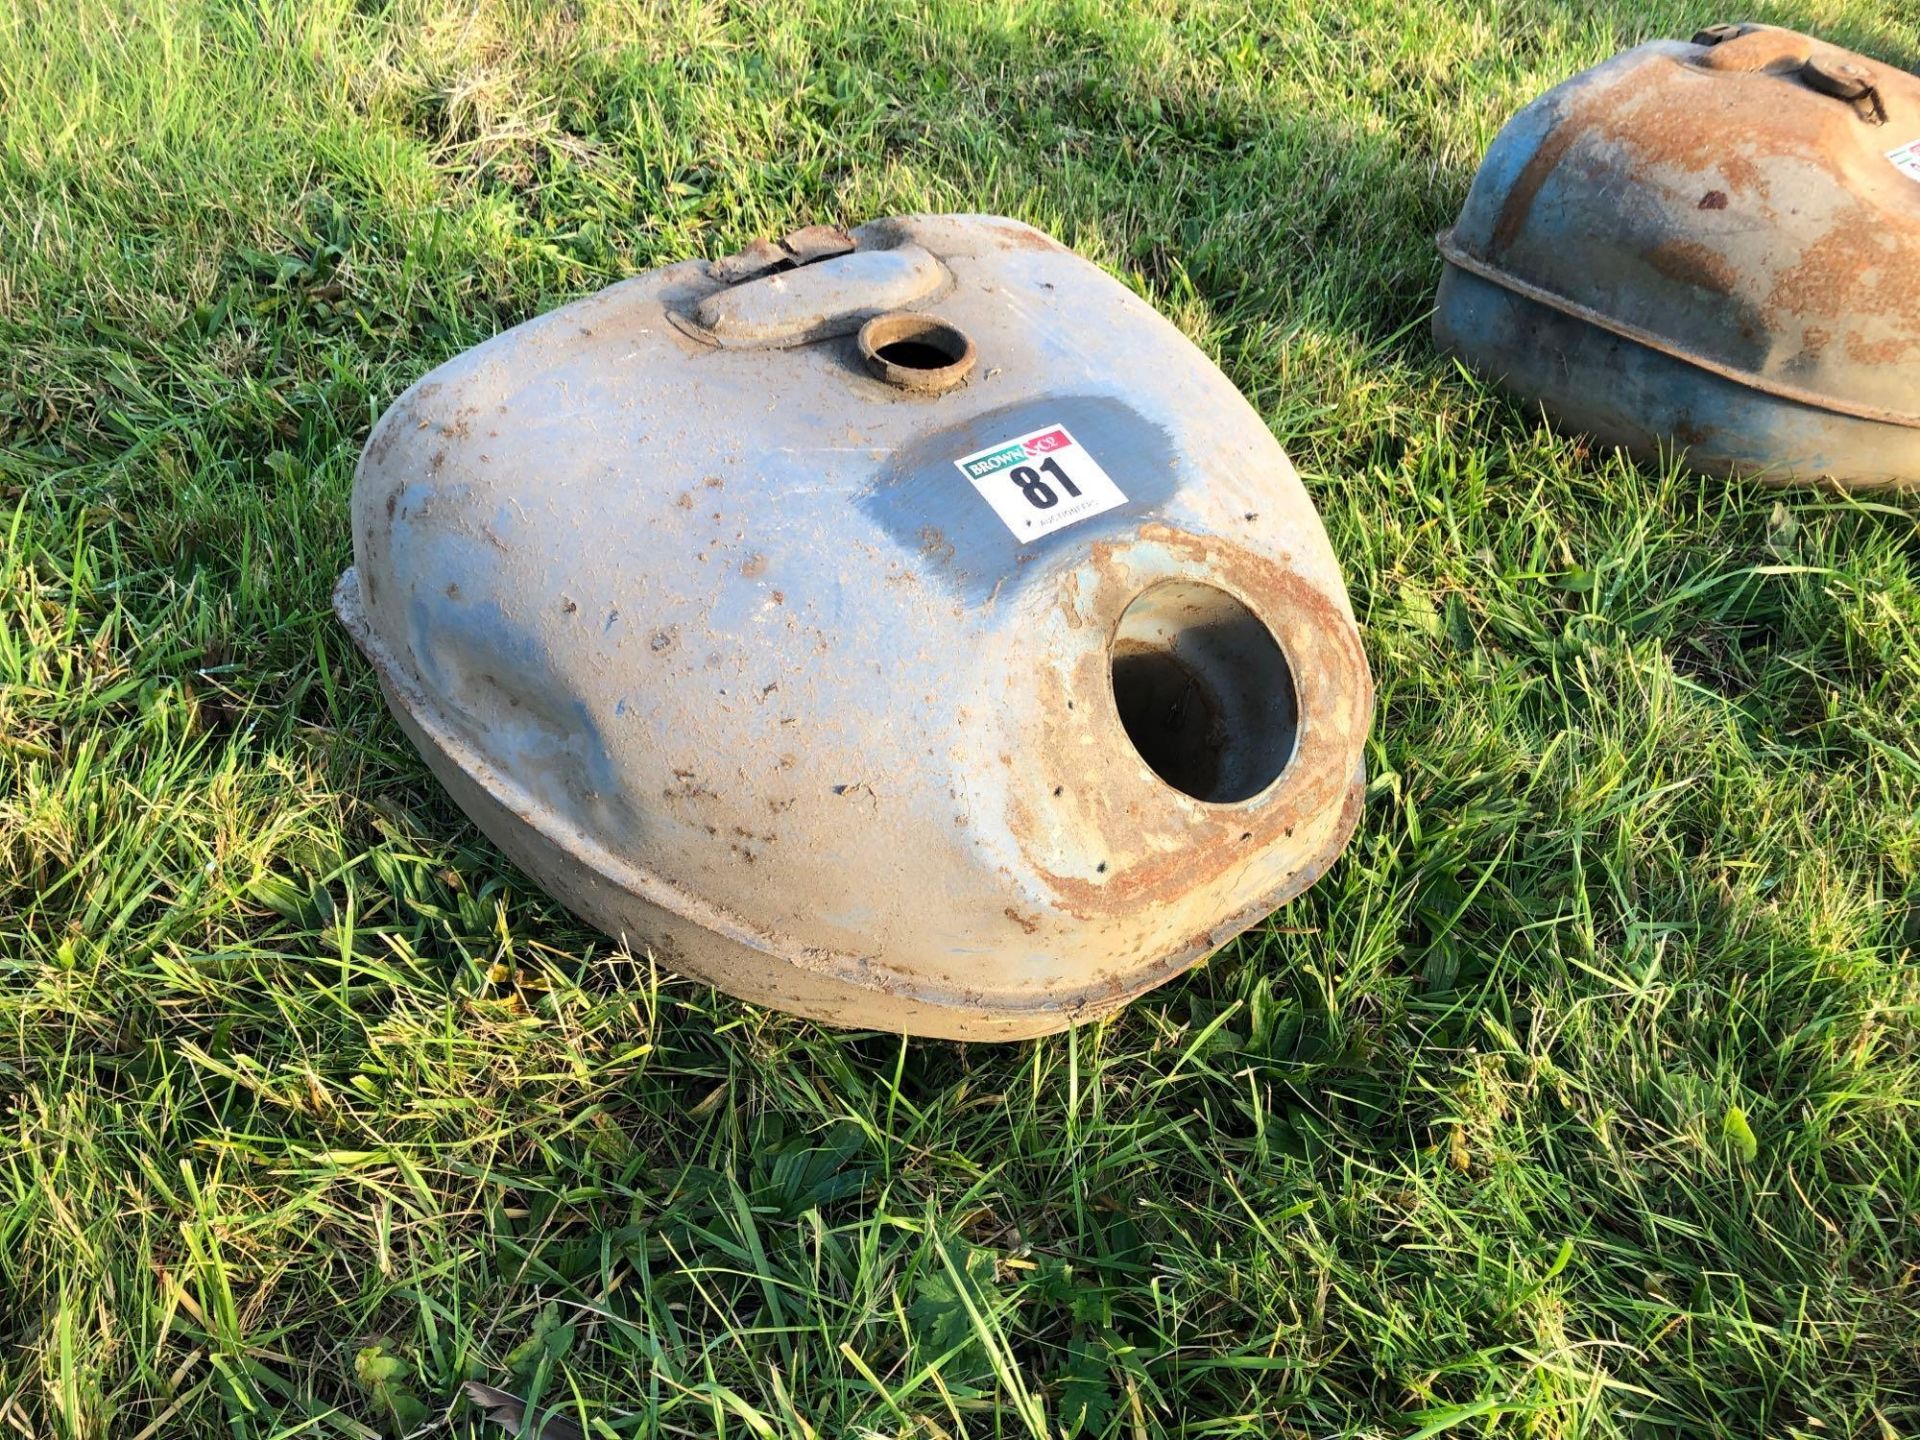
pixel 843 966
pixel 1473 265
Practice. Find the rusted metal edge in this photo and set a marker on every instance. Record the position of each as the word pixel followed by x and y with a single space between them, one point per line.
pixel 692 329
pixel 1454 255
pixel 653 889
pixel 794 250
pixel 843 966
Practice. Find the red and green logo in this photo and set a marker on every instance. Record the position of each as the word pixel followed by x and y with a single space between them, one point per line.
pixel 1015 452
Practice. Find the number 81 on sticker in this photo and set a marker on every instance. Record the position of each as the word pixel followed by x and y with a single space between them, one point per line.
pixel 1041 482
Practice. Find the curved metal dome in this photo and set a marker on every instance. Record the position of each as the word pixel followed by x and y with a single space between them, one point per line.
pixel 909 628
pixel 1711 246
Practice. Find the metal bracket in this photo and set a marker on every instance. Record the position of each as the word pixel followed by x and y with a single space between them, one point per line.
pixel 1844 80
pixel 1714 34
pixel 796 248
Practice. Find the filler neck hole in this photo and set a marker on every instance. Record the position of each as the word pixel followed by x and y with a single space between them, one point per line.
pixel 1204 692
pixel 911 351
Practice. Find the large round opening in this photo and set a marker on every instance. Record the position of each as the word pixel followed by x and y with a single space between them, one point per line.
pixel 1204 692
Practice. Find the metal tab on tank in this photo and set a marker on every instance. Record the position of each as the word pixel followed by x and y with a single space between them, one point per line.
pixel 824 299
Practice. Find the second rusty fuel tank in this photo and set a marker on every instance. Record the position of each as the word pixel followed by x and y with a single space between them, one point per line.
pixel 907 628
pixel 1711 247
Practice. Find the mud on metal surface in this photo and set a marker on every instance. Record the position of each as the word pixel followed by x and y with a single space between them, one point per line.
pixel 914 632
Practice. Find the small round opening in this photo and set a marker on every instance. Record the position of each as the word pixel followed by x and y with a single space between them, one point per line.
pixel 915 355
pixel 916 352
pixel 1204 692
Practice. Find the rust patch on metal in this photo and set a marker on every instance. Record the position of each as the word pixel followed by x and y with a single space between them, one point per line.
pixel 1741 174
pixel 934 544
pixel 1019 237
pixel 796 248
pixel 1878 352
pixel 816 242
pixel 757 258
pixel 1526 189
pixel 1160 846
pixel 1692 263
pixel 1859 270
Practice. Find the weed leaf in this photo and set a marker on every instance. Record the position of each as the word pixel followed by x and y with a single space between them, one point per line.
pixel 509 1412
pixel 1740 1135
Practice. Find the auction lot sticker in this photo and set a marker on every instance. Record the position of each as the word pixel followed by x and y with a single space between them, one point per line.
pixel 1906 159
pixel 1041 482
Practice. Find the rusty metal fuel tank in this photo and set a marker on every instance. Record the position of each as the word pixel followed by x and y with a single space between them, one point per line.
pixel 908 628
pixel 1712 247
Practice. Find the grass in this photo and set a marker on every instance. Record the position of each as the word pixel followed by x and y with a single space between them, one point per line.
pixel 1578 1100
